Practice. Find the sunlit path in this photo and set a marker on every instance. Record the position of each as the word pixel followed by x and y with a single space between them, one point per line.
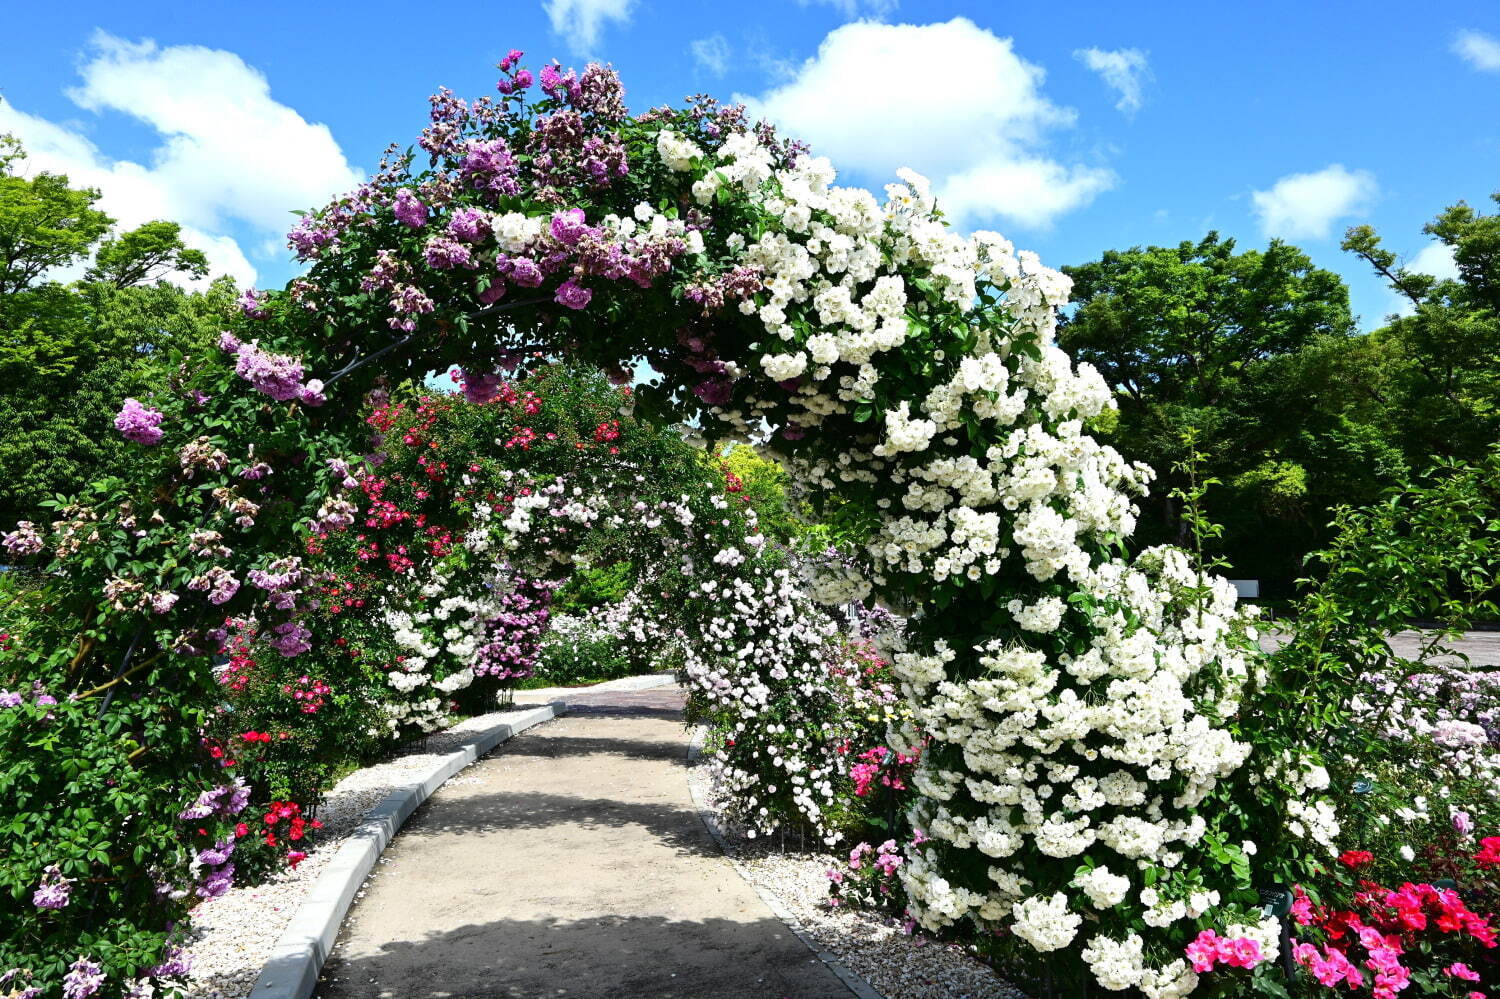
pixel 570 863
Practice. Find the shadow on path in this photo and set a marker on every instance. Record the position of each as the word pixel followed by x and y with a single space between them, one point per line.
pixel 570 863
pixel 603 957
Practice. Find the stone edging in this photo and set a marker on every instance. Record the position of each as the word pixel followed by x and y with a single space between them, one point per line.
pixel 291 972
pixel 857 985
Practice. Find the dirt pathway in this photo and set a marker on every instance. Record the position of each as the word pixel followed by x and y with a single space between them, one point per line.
pixel 570 863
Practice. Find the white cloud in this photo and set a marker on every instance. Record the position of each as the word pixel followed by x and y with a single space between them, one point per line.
pixel 1305 205
pixel 230 154
pixel 963 109
pixel 1436 259
pixel 582 21
pixel 856 8
pixel 1123 70
pixel 1478 50
pixel 711 54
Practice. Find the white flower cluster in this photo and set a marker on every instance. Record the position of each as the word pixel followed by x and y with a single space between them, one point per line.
pixel 1092 725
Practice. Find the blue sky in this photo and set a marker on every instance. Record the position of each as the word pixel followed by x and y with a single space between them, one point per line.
pixel 1071 128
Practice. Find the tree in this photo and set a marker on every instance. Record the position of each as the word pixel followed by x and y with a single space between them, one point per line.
pixel 147 253
pixel 1440 377
pixel 69 354
pixel 44 223
pixel 1205 339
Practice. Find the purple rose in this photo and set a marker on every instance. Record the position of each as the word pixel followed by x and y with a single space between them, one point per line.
pixel 573 295
pixel 83 979
pixel 409 211
pixel 24 540
pixel 139 424
pixel 568 226
pixel 525 272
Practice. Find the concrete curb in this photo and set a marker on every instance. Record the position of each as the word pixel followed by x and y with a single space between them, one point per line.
pixel 857 985
pixel 291 972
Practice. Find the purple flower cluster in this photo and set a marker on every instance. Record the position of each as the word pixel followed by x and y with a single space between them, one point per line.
pixel 53 891
pixel 733 286
pixel 312 235
pixel 16 992
pixel 282 579
pixel 384 275
pixel 24 540
pixel 224 801
pixel 177 963
pixel 408 302
pixel 276 375
pixel 83 979
pixel 513 636
pixel 218 583
pixel 489 165
pixel 517 78
pixel 449 116
pixel 469 224
pixel 444 253
pixel 409 211
pixel 291 639
pixel 139 424
pixel 573 295
pixel 481 388
pixel 216 881
pixel 252 304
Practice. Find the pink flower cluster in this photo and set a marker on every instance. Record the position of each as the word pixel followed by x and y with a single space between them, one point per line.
pixel 887 857
pixel 872 762
pixel 276 375
pixel 138 423
pixel 1210 950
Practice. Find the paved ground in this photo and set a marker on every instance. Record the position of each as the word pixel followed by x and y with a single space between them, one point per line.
pixel 570 863
pixel 1482 647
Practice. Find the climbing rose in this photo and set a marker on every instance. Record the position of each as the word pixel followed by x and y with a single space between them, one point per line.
pixel 410 211
pixel 53 891
pixel 139 424
pixel 24 540
pixel 573 295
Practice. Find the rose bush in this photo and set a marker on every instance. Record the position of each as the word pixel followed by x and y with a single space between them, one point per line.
pixel 1077 713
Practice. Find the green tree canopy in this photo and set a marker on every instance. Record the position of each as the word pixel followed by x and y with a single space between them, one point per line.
pixel 69 354
pixel 1438 376
pixel 44 223
pixel 1206 339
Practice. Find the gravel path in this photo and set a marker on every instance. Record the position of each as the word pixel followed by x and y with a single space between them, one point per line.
pixel 573 863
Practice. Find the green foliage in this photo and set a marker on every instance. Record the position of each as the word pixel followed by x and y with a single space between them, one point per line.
pixel 577 651
pixel 44 223
pixel 1436 372
pixel 1337 693
pixel 95 343
pixel 1196 338
pixel 145 254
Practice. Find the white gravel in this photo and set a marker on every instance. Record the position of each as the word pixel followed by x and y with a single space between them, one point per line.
pixel 873 946
pixel 234 934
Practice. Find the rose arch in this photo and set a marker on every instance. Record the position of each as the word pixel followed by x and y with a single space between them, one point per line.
pixel 1076 707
